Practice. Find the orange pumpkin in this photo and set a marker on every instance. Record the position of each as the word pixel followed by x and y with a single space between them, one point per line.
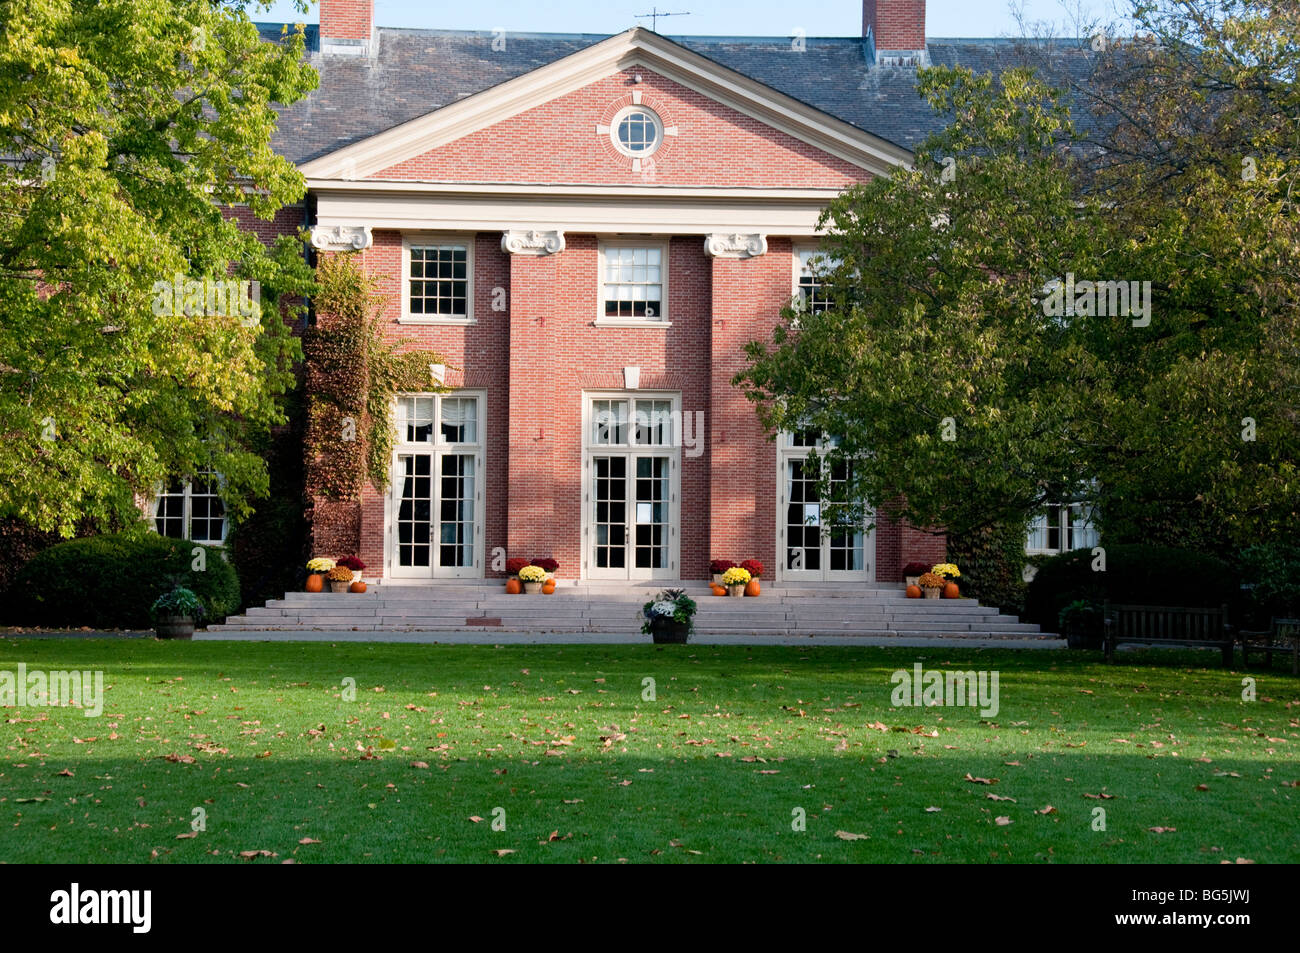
pixel 315 582
pixel 548 587
pixel 357 586
pixel 718 590
pixel 752 588
pixel 513 587
pixel 950 591
pixel 914 592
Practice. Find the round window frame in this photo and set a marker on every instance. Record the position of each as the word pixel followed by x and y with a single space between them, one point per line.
pixel 617 121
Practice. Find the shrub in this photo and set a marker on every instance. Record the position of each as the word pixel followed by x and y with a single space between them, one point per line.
pixel 718 566
pixel 110 582
pixel 179 601
pixel 352 562
pixel 546 563
pixel 1271 571
pixel 735 576
pixel 1136 574
pixel 992 563
pixel 532 574
pixel 753 567
pixel 514 565
pixel 915 569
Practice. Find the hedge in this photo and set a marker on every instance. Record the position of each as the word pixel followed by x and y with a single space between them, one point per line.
pixel 110 582
pixel 1135 574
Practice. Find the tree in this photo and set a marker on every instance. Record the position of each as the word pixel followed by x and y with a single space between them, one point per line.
pixel 1178 416
pixel 136 128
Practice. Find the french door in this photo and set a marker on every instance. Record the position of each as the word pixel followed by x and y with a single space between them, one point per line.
pixel 436 506
pixel 819 540
pixel 631 489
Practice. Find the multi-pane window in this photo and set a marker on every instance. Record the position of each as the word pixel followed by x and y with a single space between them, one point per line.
pixel 1061 527
pixel 638 133
pixel 811 287
pixel 634 423
pixel 457 419
pixel 438 280
pixel 633 285
pixel 192 510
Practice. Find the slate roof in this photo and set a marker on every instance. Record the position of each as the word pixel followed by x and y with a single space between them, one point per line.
pixel 418 71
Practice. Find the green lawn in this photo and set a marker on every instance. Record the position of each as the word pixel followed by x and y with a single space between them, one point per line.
pixel 560 740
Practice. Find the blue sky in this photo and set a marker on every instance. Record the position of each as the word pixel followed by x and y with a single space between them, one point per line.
pixel 707 17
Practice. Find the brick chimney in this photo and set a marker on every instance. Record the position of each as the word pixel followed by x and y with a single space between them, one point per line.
pixel 347 26
pixel 893 32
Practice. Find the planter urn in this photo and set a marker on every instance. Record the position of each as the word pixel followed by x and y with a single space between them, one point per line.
pixel 669 631
pixel 337 585
pixel 532 588
pixel 174 627
pixel 932 592
pixel 736 591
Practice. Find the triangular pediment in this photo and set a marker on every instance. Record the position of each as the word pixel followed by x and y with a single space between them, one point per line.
pixel 636 48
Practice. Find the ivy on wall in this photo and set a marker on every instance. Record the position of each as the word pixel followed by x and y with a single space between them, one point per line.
pixel 353 375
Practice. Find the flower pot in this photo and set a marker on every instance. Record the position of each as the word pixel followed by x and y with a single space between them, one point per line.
pixel 340 585
pixel 356 575
pixel 933 592
pixel 174 627
pixel 315 582
pixel 667 630
pixel 532 588
pixel 550 577
pixel 912 580
pixel 717 579
pixel 736 591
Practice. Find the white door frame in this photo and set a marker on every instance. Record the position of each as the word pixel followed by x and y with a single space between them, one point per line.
pixel 628 449
pixel 785 453
pixel 436 449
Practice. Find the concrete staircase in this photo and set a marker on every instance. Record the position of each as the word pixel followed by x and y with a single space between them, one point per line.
pixel 880 609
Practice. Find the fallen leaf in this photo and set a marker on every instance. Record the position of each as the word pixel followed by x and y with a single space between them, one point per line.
pixel 1047 810
pixel 1002 821
pixel 309 840
pixel 503 851
pixel 1162 830
pixel 849 835
pixel 980 780
pixel 475 818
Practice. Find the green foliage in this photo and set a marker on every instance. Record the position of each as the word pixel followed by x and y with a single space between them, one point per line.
pixel 992 563
pixel 1135 574
pixel 138 126
pixel 178 601
pixel 1272 570
pixel 353 375
pixel 939 328
pixel 113 581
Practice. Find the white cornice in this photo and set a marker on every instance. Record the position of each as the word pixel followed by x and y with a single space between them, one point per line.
pixel 735 245
pixel 341 237
pixel 532 241
pixel 635 47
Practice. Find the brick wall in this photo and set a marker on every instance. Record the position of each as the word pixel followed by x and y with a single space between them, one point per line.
pixel 347 19
pixel 895 24
pixel 557 141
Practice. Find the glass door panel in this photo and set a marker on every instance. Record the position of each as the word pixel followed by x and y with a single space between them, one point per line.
pixel 609 523
pixel 414 513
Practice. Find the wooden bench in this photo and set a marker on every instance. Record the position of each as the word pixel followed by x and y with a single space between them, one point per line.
pixel 1280 633
pixel 1167 625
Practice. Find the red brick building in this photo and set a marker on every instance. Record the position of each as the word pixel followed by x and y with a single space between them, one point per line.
pixel 587 230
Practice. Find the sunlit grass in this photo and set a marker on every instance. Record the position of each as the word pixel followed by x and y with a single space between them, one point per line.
pixel 563 745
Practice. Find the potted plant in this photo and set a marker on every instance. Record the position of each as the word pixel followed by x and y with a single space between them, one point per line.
pixel 736 579
pixel 175 613
pixel 355 564
pixel 755 570
pixel 532 577
pixel 548 565
pixel 669 616
pixel 913 572
pixel 932 584
pixel 1081 623
pixel 949 572
pixel 316 570
pixel 340 578
pixel 717 567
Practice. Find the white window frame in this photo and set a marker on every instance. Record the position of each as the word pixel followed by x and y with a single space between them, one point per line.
pixel 787 450
pixel 618 121
pixel 672 450
pixel 664 318
pixel 1064 527
pixel 401 446
pixel 422 239
pixel 796 290
pixel 187 496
